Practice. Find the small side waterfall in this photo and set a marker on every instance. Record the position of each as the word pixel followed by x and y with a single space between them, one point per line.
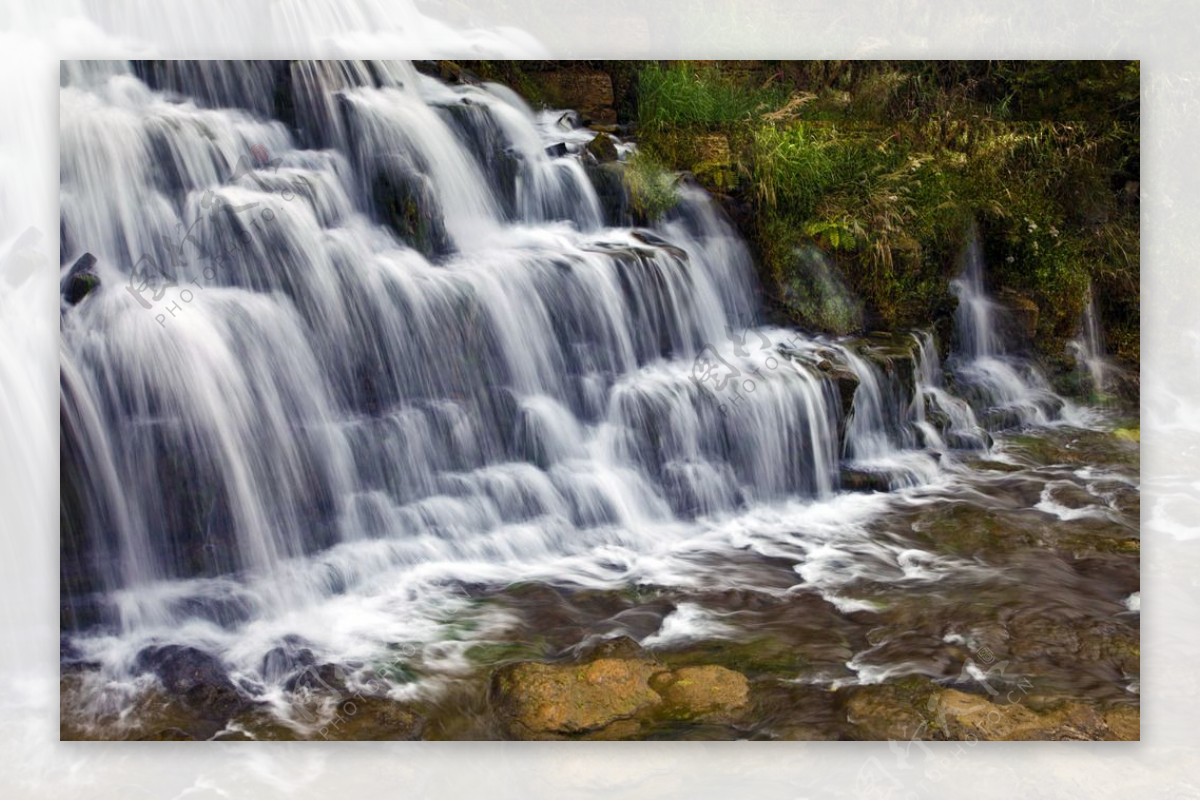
pixel 1088 348
pixel 1006 390
pixel 943 419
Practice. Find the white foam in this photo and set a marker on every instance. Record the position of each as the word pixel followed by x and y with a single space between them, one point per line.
pixel 689 623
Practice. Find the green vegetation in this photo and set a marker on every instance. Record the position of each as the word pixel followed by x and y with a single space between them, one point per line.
pixel 884 166
pixel 673 96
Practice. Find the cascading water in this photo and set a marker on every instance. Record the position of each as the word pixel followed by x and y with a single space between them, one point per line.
pixel 1088 348
pixel 1007 390
pixel 345 364
pixel 943 419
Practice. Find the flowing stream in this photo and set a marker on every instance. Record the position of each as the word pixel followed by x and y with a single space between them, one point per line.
pixel 369 351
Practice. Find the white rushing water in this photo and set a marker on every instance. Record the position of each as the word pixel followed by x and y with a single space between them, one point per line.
pixel 1007 389
pixel 356 351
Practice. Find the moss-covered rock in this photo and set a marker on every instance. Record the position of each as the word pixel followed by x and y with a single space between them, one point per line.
pixel 603 148
pixel 535 700
pixel 705 692
pixel 613 697
pixel 893 711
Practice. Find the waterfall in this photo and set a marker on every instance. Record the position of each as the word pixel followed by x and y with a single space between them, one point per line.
pixel 942 418
pixel 1088 348
pixel 362 339
pixel 880 434
pixel 1007 390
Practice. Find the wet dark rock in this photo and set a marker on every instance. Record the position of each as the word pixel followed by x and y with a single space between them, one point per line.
pixel 651 238
pixel 195 679
pixel 895 354
pixel 80 280
pixel 847 384
pixel 479 131
pixel 284 660
pixel 830 365
pixel 863 480
pixel 557 150
pixel 1001 419
pixel 216 84
pixel 409 205
pixel 612 192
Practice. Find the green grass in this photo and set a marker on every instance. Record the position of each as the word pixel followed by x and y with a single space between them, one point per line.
pixel 685 94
